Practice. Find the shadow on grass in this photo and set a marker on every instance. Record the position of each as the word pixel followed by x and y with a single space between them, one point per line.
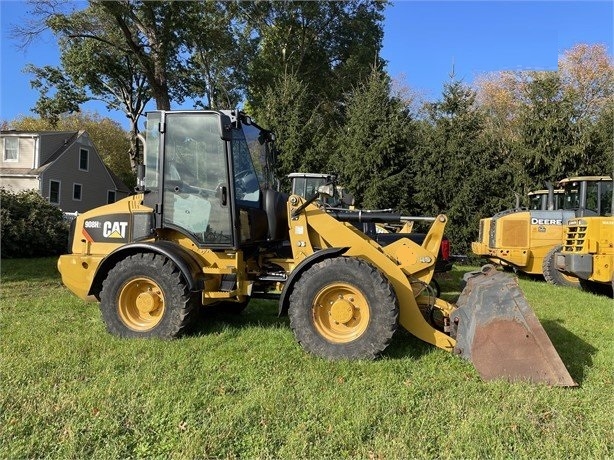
pixel 576 354
pixel 263 314
pixel 405 345
pixel 258 313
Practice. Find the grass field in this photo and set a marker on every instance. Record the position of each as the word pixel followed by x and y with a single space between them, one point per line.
pixel 240 387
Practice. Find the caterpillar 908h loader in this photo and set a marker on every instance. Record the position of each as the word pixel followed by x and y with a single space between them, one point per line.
pixel 208 227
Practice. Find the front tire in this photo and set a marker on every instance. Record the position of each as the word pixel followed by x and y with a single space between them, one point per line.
pixel 145 295
pixel 552 275
pixel 343 308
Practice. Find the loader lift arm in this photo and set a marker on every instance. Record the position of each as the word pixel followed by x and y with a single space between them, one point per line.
pixel 314 229
pixel 492 325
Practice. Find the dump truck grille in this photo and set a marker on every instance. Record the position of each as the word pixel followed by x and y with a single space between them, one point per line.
pixel 575 237
pixel 514 234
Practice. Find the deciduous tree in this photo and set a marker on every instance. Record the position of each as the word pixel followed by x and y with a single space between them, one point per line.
pixel 550 124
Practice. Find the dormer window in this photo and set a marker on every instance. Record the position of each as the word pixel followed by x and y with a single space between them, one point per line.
pixel 11 149
pixel 84 156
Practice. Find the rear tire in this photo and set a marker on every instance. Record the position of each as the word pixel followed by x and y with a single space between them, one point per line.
pixel 552 275
pixel 145 295
pixel 343 308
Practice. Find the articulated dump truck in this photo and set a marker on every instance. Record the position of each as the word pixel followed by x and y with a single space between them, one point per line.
pixel 207 227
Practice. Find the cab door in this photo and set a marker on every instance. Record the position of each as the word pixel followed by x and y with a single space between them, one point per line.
pixel 195 186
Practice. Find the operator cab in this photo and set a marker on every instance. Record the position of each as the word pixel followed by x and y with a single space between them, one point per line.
pixel 588 196
pixel 538 200
pixel 209 175
pixel 309 184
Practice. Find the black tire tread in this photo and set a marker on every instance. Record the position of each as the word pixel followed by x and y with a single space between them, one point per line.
pixel 180 302
pixel 550 272
pixel 383 305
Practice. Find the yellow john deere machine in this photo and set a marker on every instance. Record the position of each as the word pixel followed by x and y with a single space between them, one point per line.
pixel 527 240
pixel 207 227
pixel 588 241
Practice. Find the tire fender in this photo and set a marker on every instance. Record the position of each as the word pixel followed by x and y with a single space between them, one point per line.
pixel 300 268
pixel 184 260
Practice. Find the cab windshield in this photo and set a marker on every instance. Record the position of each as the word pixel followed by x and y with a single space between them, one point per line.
pixel 598 197
pixel 571 195
pixel 195 160
pixel 536 202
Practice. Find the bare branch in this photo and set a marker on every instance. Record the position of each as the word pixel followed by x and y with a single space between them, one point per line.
pixel 35 21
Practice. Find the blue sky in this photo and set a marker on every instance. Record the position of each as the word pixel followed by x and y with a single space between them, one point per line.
pixel 423 42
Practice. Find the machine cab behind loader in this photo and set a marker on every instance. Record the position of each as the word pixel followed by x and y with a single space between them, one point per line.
pixel 543 200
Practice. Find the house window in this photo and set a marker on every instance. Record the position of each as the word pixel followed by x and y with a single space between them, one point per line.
pixel 84 156
pixel 11 149
pixel 110 196
pixel 54 192
pixel 76 192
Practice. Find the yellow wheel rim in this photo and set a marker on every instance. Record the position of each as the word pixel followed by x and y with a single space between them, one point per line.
pixel 141 304
pixel 340 313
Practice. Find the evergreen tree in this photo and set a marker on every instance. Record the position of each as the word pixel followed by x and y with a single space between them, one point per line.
pixel 309 55
pixel 372 159
pixel 455 171
pixel 300 134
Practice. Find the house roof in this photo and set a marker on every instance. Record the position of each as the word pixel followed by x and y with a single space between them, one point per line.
pixel 33 133
pixel 67 143
pixel 119 184
pixel 73 136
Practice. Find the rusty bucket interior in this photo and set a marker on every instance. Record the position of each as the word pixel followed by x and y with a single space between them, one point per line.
pixel 496 329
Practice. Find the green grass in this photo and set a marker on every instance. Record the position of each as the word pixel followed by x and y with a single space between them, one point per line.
pixel 240 387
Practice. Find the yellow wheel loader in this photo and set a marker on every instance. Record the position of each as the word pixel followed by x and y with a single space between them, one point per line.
pixel 207 227
pixel 528 240
pixel 588 242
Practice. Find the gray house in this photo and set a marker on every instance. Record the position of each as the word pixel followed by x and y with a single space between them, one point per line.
pixel 64 167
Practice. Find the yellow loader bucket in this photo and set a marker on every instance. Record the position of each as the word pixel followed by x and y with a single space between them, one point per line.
pixel 498 332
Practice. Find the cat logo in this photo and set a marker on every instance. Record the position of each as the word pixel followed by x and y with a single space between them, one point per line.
pixel 114 229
